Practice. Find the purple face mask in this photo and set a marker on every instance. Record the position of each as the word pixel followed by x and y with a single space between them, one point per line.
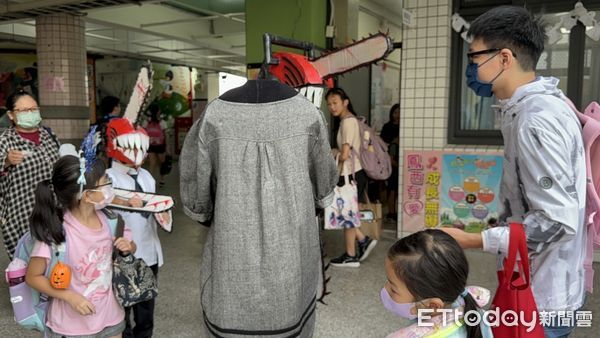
pixel 399 309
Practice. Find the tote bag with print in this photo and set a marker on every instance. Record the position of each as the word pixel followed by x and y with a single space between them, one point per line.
pixel 343 213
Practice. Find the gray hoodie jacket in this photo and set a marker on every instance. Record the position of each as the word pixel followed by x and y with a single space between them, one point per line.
pixel 544 187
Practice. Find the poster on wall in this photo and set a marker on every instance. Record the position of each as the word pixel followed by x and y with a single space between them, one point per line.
pixel 446 189
pixel 470 186
pixel 173 89
pixel 421 193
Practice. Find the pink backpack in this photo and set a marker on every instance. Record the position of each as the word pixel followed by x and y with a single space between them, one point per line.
pixel 155 133
pixel 590 122
pixel 374 157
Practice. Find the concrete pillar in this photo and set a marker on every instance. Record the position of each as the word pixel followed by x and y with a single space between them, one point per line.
pixel 346 21
pixel 62 69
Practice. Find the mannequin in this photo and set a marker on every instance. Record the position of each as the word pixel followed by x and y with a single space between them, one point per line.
pixel 253 168
pixel 259 91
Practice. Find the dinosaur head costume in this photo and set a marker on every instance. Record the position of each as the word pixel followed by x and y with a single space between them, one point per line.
pixel 126 141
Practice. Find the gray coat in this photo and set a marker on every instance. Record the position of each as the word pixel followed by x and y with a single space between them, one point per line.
pixel 256 172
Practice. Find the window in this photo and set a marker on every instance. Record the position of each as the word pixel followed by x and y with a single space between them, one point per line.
pixel 591 73
pixel 574 60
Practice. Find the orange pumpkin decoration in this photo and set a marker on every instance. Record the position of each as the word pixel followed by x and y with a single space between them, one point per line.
pixel 60 278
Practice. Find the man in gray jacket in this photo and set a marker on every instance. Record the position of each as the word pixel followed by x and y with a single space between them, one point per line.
pixel 543 183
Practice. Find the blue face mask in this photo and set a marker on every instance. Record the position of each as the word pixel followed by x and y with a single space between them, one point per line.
pixel 480 88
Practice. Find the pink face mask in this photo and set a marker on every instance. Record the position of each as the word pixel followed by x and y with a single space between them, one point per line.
pixel 399 309
pixel 109 195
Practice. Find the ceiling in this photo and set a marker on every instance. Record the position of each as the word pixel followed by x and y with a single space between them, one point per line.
pixel 208 34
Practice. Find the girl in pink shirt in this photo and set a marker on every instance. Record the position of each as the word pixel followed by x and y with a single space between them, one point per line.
pixel 67 210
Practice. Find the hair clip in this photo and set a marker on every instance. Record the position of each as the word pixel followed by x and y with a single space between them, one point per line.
pixel 81 180
pixel 88 147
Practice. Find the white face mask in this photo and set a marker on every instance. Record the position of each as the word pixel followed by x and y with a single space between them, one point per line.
pixel 109 195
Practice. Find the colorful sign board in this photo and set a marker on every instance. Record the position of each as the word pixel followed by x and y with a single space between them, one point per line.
pixel 421 195
pixel 446 189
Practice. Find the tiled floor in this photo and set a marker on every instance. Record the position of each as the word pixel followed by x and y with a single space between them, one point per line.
pixel 353 309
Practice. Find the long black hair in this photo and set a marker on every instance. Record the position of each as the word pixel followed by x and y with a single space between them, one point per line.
pixel 392 110
pixel 343 96
pixel 432 265
pixel 154 110
pixel 58 194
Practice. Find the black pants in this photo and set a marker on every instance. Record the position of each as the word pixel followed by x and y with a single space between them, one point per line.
pixel 143 316
pixel 361 184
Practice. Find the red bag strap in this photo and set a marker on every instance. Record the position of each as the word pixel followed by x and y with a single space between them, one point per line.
pixel 517 244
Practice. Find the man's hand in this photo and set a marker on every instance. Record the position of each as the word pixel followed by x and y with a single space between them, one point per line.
pixel 465 239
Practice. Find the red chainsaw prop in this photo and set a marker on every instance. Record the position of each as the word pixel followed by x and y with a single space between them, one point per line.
pixel 298 70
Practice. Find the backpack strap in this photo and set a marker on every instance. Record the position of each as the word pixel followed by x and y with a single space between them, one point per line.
pixel 52 136
pixel 448 330
pixel 591 139
pixel 58 253
pixel 113 219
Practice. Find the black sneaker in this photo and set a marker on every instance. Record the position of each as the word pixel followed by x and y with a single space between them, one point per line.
pixel 366 248
pixel 346 261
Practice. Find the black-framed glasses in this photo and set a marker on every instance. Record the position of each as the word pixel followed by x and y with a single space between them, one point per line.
pixel 470 55
pixel 108 182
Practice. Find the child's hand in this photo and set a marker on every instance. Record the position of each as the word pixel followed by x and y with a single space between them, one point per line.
pixel 164 217
pixel 136 202
pixel 81 304
pixel 123 245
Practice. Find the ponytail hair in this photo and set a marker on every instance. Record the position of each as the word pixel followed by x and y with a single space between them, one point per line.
pixel 47 217
pixel 46 221
pixel 473 331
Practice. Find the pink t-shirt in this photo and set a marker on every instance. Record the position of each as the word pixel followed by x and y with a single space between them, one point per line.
pixel 89 254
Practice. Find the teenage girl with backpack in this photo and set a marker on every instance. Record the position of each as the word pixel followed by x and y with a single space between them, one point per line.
pixel 428 271
pixel 348 153
pixel 158 145
pixel 68 211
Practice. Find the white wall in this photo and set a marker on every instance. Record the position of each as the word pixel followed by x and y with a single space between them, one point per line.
pixel 385 77
pixel 424 102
